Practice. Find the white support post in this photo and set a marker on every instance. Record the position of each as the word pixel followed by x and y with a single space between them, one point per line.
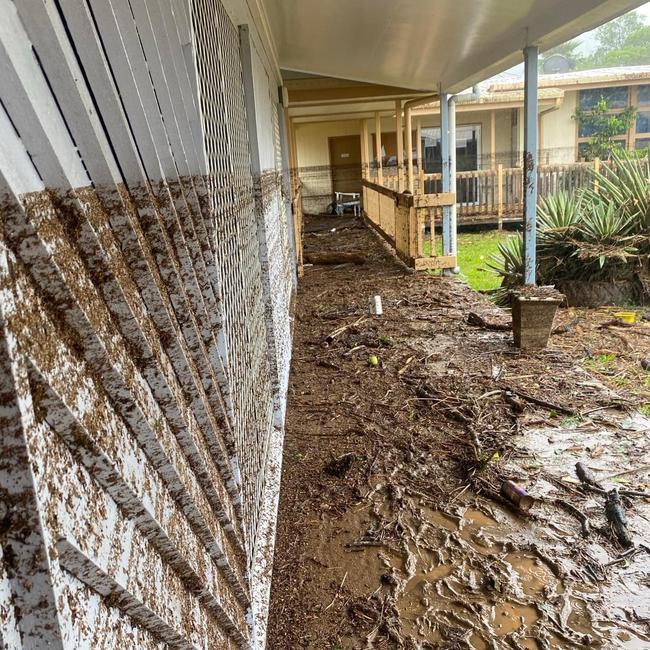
pixel 531 55
pixel 380 171
pixel 365 155
pixel 453 210
pixel 399 133
pixel 418 144
pixel 409 150
pixel 446 175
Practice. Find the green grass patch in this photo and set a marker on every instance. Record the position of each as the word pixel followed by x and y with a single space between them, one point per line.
pixel 600 363
pixel 474 250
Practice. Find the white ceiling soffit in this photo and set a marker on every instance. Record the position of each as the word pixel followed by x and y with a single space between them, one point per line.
pixel 420 44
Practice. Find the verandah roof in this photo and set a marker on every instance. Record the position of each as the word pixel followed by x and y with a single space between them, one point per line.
pixel 423 44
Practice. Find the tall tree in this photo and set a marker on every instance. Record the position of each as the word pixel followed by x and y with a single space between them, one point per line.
pixel 623 41
pixel 614 34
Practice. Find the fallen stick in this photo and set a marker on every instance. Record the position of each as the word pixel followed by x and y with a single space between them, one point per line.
pixel 615 322
pixel 613 405
pixel 351 351
pixel 491 393
pixel 541 402
pixel 340 330
pixel 623 493
pixel 403 369
pixel 623 557
pixel 584 520
pixel 335 257
pixel 338 591
pixel 629 471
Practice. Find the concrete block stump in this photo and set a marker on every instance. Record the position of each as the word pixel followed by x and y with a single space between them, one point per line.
pixel 532 321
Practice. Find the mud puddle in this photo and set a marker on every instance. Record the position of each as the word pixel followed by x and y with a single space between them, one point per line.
pixel 478 576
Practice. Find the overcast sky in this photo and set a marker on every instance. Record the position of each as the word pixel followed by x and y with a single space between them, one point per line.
pixel 645 9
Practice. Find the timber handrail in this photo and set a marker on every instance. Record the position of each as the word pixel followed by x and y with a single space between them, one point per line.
pixel 408 223
pixel 498 191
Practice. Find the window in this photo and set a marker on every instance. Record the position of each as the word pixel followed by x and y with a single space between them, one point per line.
pixel 587 130
pixel 643 122
pixel 583 150
pixel 642 143
pixel 643 95
pixel 467 149
pixel 615 97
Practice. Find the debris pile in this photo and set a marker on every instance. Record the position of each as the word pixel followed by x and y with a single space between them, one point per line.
pixel 430 499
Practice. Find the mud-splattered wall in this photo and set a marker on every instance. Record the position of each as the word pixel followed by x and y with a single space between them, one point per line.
pixel 145 286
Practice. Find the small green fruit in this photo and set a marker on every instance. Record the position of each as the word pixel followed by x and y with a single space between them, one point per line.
pixel 373 360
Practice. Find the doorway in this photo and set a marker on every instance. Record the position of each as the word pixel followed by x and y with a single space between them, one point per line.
pixel 345 163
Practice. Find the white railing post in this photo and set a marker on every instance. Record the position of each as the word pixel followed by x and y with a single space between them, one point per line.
pixel 500 195
pixel 399 133
pixel 418 145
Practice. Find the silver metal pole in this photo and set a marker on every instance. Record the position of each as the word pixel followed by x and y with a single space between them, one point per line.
pixel 453 210
pixel 446 175
pixel 531 55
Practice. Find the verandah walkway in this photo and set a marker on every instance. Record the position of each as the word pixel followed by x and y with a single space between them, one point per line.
pixel 382 539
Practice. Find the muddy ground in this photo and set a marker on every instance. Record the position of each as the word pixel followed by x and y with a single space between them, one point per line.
pixel 392 532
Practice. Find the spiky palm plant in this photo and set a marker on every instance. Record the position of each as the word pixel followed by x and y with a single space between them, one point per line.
pixel 558 219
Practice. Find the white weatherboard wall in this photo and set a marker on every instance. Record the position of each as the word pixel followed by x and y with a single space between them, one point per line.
pixel 145 284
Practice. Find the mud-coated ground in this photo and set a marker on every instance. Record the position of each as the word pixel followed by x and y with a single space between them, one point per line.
pixel 392 532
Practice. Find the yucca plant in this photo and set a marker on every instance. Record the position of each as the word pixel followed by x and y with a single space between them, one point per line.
pixel 558 218
pixel 508 264
pixel 626 185
pixel 558 215
pixel 599 234
pixel 606 237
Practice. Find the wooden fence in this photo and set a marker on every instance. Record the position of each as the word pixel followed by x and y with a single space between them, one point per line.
pixel 408 223
pixel 498 192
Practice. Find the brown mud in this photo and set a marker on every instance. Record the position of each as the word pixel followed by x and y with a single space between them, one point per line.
pixel 392 532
